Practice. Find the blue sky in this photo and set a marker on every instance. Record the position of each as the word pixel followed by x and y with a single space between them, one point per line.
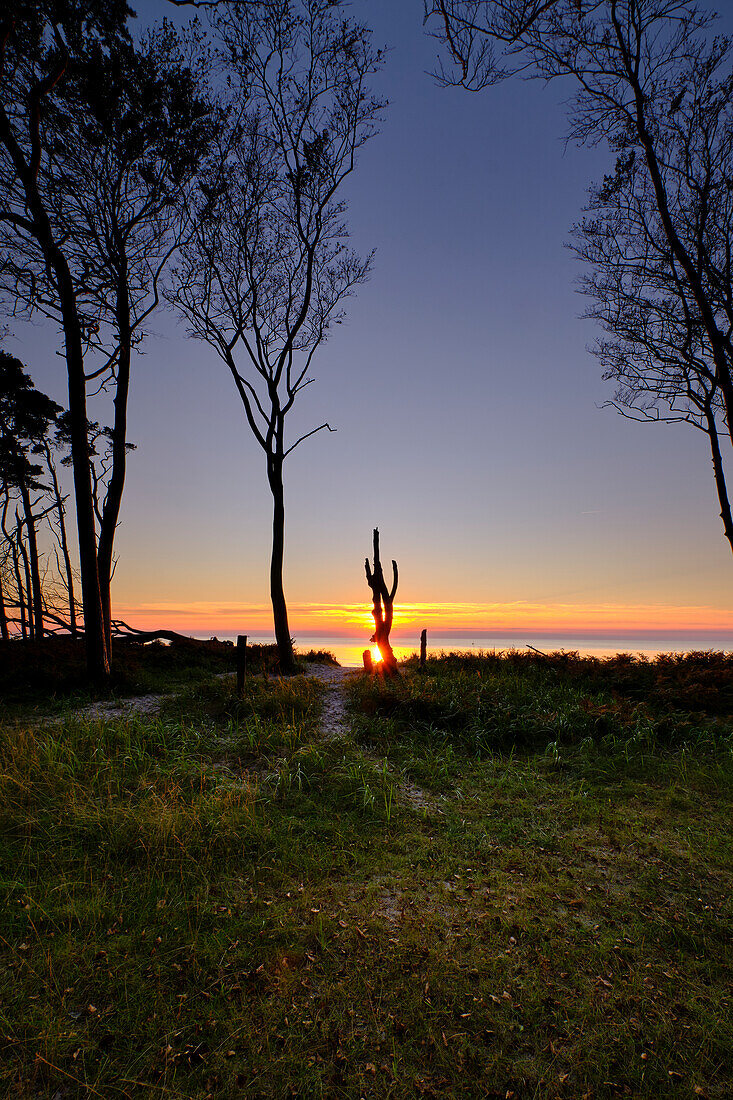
pixel 466 402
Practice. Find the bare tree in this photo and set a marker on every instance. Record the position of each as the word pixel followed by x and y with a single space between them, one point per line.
pixel 266 273
pixel 37 579
pixel 26 416
pixel 10 576
pixel 653 83
pixel 36 590
pixel 656 348
pixel 382 609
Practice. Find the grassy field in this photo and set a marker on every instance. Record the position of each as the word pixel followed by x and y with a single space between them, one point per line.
pixel 511 878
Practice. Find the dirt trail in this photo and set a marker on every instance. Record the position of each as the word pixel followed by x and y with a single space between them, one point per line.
pixel 335 727
pixel 333 721
pixel 123 708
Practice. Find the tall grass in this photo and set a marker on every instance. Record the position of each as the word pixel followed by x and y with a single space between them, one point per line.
pixel 482 890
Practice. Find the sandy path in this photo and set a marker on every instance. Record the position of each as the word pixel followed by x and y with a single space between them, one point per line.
pixel 334 723
pixel 335 727
pixel 123 708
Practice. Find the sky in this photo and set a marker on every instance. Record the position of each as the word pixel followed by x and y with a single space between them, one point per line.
pixel 467 407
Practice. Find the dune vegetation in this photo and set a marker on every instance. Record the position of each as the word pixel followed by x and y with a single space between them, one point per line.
pixel 502 876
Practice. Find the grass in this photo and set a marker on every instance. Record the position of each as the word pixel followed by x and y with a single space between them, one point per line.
pixel 512 879
pixel 49 676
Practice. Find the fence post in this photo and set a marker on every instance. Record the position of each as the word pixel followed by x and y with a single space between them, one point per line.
pixel 423 648
pixel 241 655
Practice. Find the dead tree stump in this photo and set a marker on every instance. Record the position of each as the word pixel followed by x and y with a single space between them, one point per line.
pixel 241 658
pixel 383 599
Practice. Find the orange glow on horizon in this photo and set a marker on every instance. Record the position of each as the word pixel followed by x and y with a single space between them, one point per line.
pixel 350 620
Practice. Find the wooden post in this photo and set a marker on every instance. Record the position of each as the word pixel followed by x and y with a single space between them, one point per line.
pixel 367 659
pixel 423 648
pixel 241 655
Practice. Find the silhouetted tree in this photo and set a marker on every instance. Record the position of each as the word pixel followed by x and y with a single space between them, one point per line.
pixel 264 275
pixel 26 416
pixel 37 42
pixel 34 597
pixel 657 349
pixel 15 572
pixel 101 139
pixel 382 609
pixel 650 80
pixel 145 128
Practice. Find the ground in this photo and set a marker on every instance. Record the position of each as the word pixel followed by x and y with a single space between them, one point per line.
pixel 496 878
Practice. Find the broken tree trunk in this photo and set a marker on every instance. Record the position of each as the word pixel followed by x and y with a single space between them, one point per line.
pixel 383 599
pixel 241 657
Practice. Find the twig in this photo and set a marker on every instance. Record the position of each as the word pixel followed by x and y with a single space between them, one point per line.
pixel 84 1085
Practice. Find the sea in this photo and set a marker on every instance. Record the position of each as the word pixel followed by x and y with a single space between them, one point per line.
pixel 348 651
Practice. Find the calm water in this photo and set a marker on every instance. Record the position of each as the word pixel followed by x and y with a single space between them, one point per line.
pixel 348 651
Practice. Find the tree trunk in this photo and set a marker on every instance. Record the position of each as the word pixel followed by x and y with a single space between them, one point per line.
pixel 64 542
pixel 19 586
pixel 4 632
pixel 720 483
pixel 28 600
pixel 97 653
pixel 8 540
pixel 35 571
pixel 382 642
pixel 383 600
pixel 125 633
pixel 111 511
pixel 277 594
